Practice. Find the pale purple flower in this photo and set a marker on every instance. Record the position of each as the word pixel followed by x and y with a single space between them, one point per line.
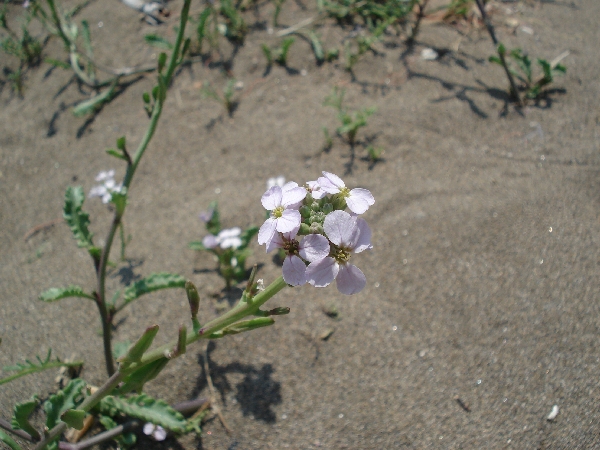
pixel 357 199
pixel 206 216
pixel 284 218
pixel 108 186
pixel 312 248
pixel 349 234
pixel 227 238
pixel 156 431
pixel 315 190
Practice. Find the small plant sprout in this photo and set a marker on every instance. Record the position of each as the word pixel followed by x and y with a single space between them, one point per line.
pixel 226 99
pixel 229 245
pixel 319 236
pixel 351 122
pixel 279 54
pixel 533 88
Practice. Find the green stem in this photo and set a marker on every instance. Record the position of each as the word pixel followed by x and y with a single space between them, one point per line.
pixel 238 312
pixel 123 244
pixel 101 273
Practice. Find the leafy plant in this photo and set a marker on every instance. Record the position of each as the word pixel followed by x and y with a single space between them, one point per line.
pixel 351 121
pixel 279 54
pixel 230 246
pixel 533 87
pixel 226 98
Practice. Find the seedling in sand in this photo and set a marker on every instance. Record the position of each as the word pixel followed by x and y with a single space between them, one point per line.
pixel 226 99
pixel 279 54
pixel 534 88
pixel 351 121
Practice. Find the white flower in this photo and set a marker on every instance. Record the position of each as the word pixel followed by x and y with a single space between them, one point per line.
pixel 157 432
pixel 315 190
pixel 107 188
pixel 349 234
pixel 227 238
pixel 284 217
pixel 357 199
pixel 276 181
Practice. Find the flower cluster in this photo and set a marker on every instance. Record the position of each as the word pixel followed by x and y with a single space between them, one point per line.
pixel 310 224
pixel 227 238
pixel 108 186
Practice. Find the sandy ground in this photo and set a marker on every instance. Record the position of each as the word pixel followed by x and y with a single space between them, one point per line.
pixel 483 282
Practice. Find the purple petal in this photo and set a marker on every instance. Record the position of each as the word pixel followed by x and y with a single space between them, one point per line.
pixel 363 241
pixel 340 227
pixel 267 230
pixel 323 272
pixel 289 185
pixel 272 198
pixel 314 247
pixel 275 242
pixel 315 190
pixel 327 185
pixel 210 241
pixel 148 428
pixel 350 279
pixel 289 220
pixel 359 200
pixel 294 271
pixel 160 434
pixel 293 196
pixel 334 179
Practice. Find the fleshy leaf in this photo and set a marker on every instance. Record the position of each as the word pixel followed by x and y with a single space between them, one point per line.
pixel 31 367
pixel 247 236
pixel 241 327
pixel 145 408
pixel 151 283
pixel 197 245
pixel 9 441
pixel 69 398
pixel 20 420
pixel 135 381
pixel 137 350
pixel 54 294
pixel 73 418
pixel 95 103
pixel 77 220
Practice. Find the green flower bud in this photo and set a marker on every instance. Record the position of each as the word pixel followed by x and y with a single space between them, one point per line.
pixel 327 208
pixel 305 211
pixel 304 229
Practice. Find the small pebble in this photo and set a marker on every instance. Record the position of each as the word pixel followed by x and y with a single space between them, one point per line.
pixel 429 54
pixel 553 413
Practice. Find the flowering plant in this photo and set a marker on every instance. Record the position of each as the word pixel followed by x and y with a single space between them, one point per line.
pixel 229 245
pixel 318 236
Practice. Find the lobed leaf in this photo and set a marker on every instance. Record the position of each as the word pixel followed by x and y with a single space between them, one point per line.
pixel 20 419
pixel 69 398
pixel 54 294
pixel 151 283
pixel 145 408
pixel 77 220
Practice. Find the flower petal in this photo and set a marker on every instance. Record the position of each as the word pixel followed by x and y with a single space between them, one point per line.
pixel 210 241
pixel 363 240
pixel 148 428
pixel 294 271
pixel 339 226
pixel 160 434
pixel 359 200
pixel 230 232
pixel 292 196
pixel 334 179
pixel 327 185
pixel 272 198
pixel 290 219
pixel 314 247
pixel 350 279
pixel 323 272
pixel 275 242
pixel 231 242
pixel 267 230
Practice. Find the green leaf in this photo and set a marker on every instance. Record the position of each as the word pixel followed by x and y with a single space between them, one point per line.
pixel 151 283
pixel 73 418
pixel 58 63
pixel 137 350
pixel 95 103
pixel 317 46
pixel 116 154
pixel 69 398
pixel 77 220
pixel 158 41
pixel 9 441
pixel 121 143
pixel 135 380
pixel 145 408
pixel 31 367
pixel 20 419
pixel 213 225
pixel 197 245
pixel 54 294
pixel 495 60
pixel 241 327
pixel 247 236
pixel 120 349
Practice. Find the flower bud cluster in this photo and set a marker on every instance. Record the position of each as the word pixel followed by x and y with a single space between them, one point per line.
pixel 310 224
pixel 108 186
